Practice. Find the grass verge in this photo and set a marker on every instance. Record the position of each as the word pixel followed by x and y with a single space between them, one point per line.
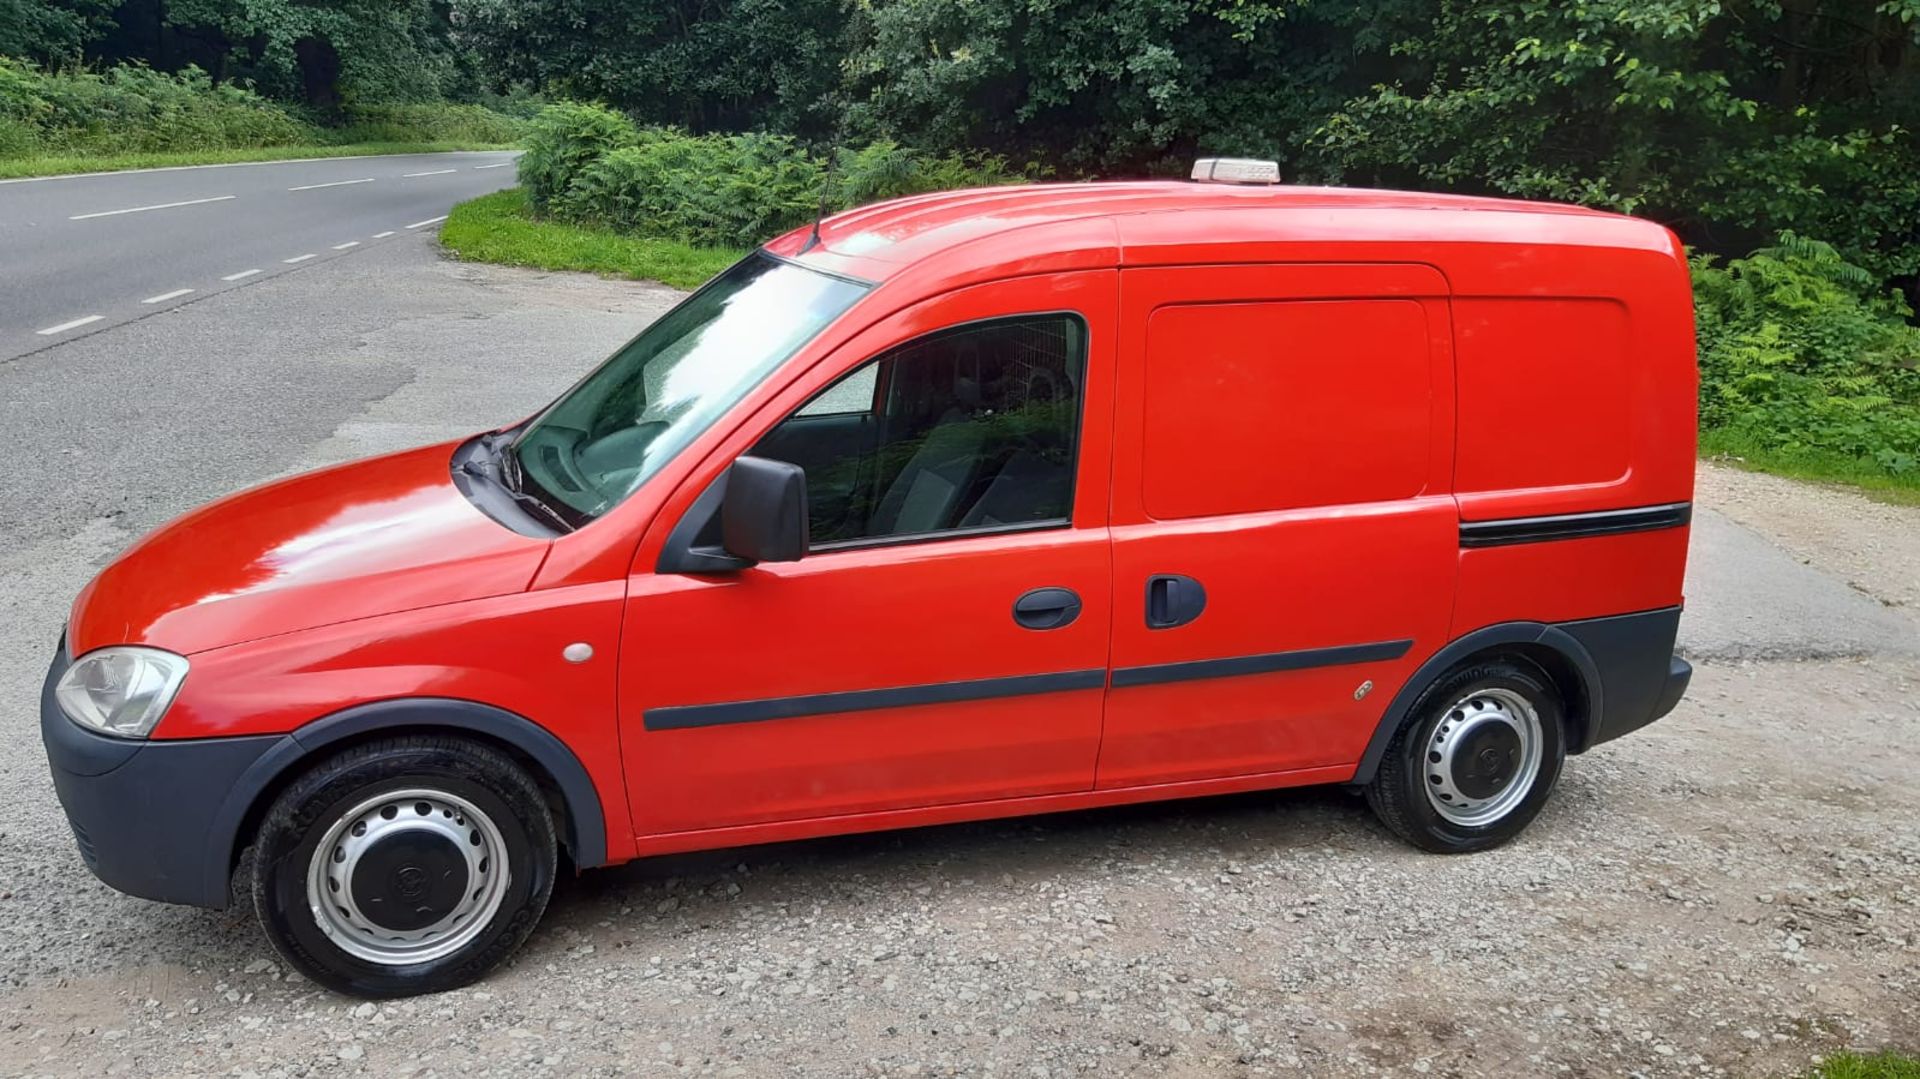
pixel 1878 1066
pixel 498 228
pixel 68 164
pixel 1723 448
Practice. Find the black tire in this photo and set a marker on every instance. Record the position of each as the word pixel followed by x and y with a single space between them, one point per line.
pixel 300 818
pixel 1398 791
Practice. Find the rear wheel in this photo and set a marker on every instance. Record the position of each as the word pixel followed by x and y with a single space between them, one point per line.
pixel 1474 761
pixel 408 865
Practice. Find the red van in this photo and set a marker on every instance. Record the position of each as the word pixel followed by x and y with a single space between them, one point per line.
pixel 967 505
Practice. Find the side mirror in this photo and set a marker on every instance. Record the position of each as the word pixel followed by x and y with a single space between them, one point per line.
pixel 763 517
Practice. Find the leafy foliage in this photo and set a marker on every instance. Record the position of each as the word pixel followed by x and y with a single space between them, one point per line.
pixel 133 109
pixel 1802 351
pixel 1727 119
pixel 1118 85
pixel 705 65
pixel 719 190
pixel 589 164
pixel 48 32
pixel 327 55
pixel 431 121
pixel 562 141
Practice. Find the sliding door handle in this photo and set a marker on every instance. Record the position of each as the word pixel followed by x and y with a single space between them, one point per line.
pixel 1173 600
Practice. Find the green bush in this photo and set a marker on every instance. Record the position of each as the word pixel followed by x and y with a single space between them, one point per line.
pixel 562 141
pixel 134 109
pixel 720 191
pixel 429 122
pixel 1804 353
pixel 591 165
pixel 887 170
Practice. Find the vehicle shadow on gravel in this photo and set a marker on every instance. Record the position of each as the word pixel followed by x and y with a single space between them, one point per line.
pixel 747 895
pixel 690 892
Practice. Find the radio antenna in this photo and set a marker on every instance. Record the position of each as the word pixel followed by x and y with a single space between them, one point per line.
pixel 826 179
pixel 826 190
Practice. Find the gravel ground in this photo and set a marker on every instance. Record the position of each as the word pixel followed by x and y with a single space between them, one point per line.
pixel 1867 544
pixel 1734 892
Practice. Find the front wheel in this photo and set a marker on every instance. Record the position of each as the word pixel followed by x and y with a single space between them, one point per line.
pixel 1474 761
pixel 408 865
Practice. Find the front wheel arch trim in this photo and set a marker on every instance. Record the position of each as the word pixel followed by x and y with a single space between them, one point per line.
pixel 1491 639
pixel 585 836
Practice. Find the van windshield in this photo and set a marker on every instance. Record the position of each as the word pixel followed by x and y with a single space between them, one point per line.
pixel 602 439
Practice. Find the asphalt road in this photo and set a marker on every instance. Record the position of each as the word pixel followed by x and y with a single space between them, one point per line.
pixel 81 254
pixel 1725 894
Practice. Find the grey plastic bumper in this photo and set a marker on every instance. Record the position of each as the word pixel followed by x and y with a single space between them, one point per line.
pixel 147 814
pixel 1640 677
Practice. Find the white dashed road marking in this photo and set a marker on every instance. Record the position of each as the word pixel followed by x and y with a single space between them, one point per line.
pixel 65 326
pixel 336 183
pixel 143 209
pixel 244 274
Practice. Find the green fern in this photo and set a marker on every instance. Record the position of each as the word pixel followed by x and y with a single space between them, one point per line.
pixel 1801 351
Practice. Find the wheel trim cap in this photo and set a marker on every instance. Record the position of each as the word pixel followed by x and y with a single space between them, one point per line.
pixel 381 882
pixel 1482 758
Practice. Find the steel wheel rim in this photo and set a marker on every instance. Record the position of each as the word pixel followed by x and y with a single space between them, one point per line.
pixel 372 827
pixel 1484 734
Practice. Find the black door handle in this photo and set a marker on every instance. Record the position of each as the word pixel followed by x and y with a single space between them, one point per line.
pixel 1047 608
pixel 1173 600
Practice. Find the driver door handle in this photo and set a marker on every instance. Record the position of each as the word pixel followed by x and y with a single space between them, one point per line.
pixel 1047 608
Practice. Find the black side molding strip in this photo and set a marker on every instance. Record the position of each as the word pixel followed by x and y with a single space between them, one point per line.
pixel 1574 525
pixel 1262 664
pixel 680 717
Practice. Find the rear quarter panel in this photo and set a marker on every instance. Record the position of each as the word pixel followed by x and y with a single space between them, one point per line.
pixel 1578 392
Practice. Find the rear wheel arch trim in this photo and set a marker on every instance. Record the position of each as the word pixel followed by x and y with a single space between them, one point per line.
pixel 1485 640
pixel 585 834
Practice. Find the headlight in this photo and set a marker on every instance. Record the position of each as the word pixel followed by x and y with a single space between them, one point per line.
pixel 121 691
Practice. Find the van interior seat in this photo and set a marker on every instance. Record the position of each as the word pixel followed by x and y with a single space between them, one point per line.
pixel 1027 488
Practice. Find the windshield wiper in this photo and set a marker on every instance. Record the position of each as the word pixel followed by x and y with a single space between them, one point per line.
pixel 507 476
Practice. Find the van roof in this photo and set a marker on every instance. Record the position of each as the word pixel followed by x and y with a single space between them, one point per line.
pixel 878 240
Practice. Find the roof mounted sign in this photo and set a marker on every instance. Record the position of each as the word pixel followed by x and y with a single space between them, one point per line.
pixel 1236 170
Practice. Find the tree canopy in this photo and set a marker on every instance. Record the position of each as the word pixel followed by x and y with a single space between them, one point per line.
pixel 1730 119
pixel 321 52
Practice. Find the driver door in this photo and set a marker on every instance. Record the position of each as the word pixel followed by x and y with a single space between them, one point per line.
pixel 956 457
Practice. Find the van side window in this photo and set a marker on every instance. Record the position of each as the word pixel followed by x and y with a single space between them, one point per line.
pixel 967 429
pixel 853 393
pixel 1285 405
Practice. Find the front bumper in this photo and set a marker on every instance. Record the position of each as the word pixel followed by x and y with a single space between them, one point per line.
pixel 151 817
